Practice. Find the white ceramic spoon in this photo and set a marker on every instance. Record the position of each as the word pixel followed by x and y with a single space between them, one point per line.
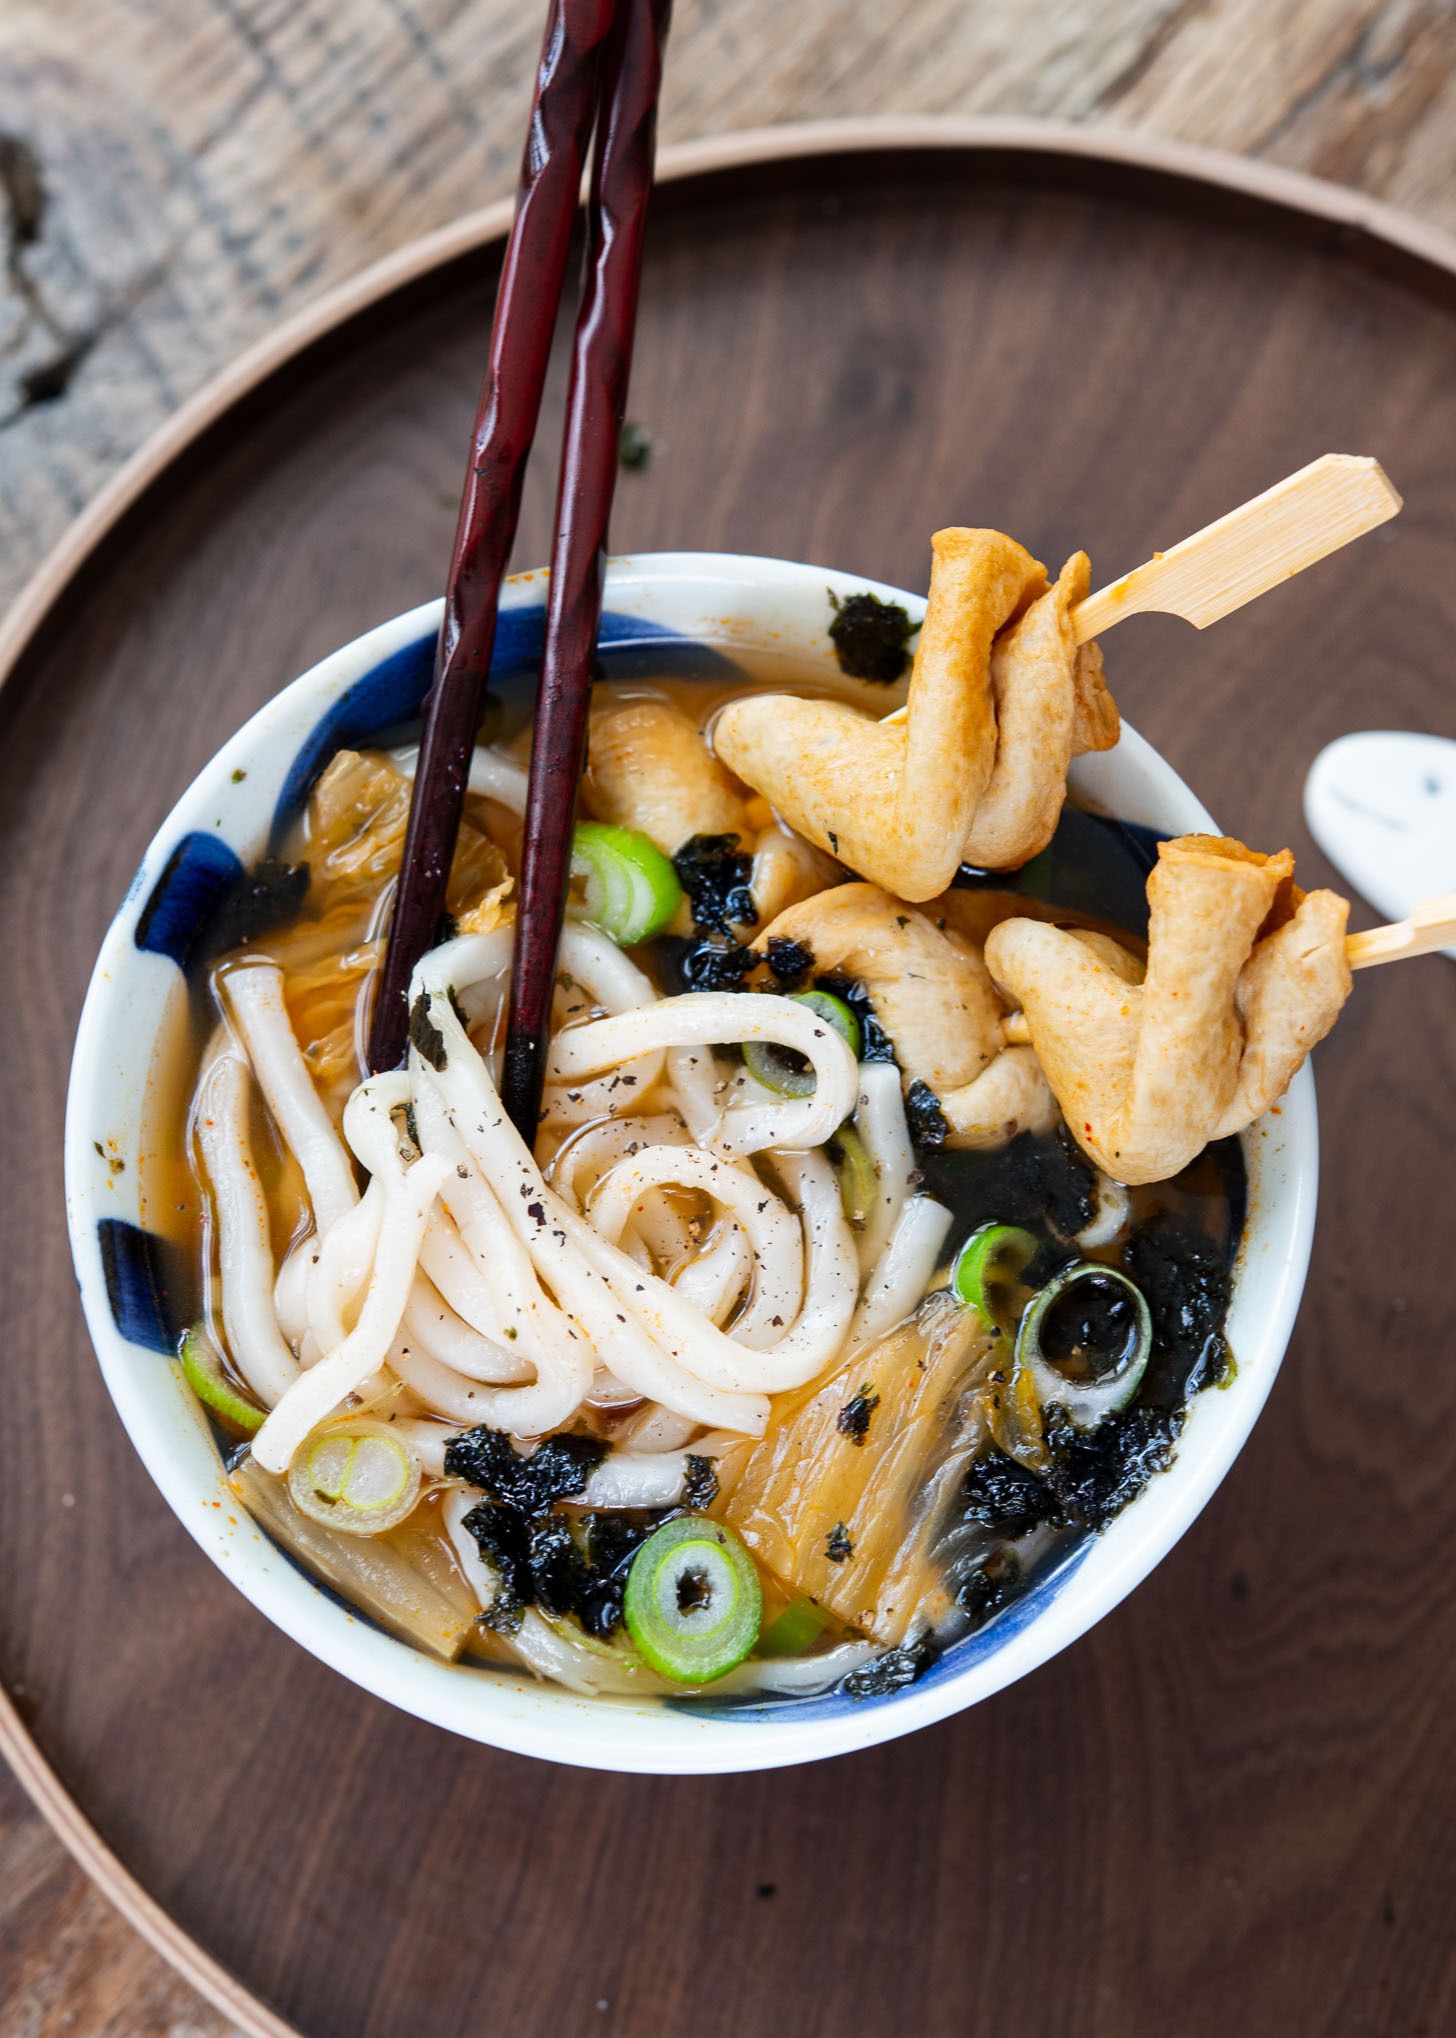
pixel 1382 807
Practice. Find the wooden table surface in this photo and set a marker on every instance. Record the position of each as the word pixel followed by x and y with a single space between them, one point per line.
pixel 175 178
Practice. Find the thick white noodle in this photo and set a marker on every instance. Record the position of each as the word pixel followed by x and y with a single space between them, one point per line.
pixel 492 776
pixel 705 1018
pixel 906 1268
pixel 611 982
pixel 565 1250
pixel 697 1083
pixel 245 1251
pixel 582 1160
pixel 290 1290
pixel 770 1231
pixel 714 1280
pixel 879 1118
pixel 660 1429
pixel 409 1193
pixel 447 1393
pixel 518 1314
pixel 432 1326
pixel 655 1479
pixel 680 1338
pixel 254 996
pixel 428 1439
pixel 342 1261
pixel 1113 1205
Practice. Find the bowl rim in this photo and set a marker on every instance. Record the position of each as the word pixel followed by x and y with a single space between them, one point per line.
pixel 686 1737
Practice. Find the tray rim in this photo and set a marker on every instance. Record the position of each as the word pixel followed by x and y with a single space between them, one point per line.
pixel 1280 187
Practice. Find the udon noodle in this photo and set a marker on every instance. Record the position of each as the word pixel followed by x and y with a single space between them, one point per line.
pixel 804 1336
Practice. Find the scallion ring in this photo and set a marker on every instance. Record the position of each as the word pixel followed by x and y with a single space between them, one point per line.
pixel 361 1478
pixel 202 1369
pixel 987 1275
pixel 693 1604
pixel 858 1182
pixel 632 890
pixel 788 1074
pixel 1084 1342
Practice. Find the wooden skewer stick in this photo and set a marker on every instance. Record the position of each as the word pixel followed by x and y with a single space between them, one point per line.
pixel 1431 926
pixel 1300 520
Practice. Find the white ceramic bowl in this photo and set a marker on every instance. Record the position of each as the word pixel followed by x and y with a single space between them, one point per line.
pixel 671 608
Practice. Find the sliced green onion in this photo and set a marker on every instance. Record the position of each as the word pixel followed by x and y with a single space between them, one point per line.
pixel 693 1603
pixel 782 1069
pixel 202 1369
pixel 1084 1342
pixel 795 1631
pixel 858 1183
pixel 988 1270
pixel 632 890
pixel 362 1478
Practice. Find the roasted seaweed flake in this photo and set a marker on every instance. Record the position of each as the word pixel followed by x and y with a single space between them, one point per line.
pixel 924 1115
pixel 837 1546
pixel 1005 1497
pixel 715 874
pixel 425 1036
pixel 871 637
pixel 853 1420
pixel 894 1671
pixel 556 1470
pixel 790 961
pixel 700 1487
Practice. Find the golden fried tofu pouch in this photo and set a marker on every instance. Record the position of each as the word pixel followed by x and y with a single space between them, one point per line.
pixel 1244 975
pixel 1000 699
pixel 648 768
pixel 932 994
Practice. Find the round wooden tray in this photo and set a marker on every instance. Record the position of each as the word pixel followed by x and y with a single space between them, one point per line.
pixel 1231 1803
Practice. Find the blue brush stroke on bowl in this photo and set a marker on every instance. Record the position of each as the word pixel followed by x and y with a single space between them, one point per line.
pixel 134 1264
pixel 1027 1607
pixel 199 873
pixel 392 692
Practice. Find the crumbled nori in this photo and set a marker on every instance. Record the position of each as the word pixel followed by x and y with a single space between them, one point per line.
pixel 257 902
pixel 990 1587
pixel 1186 1280
pixel 715 874
pixel 555 1470
pixel 853 1420
pixel 1095 1473
pixel 425 1036
pixel 708 966
pixel 874 1043
pixel 1007 1498
pixel 924 1116
pixel 790 961
pixel 542 1554
pixel 871 637
pixel 894 1671
pixel 700 1487
pixel 837 1546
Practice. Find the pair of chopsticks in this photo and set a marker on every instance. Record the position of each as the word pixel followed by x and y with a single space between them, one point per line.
pixel 601 67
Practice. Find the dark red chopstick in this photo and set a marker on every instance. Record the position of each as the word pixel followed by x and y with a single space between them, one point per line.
pixel 568 86
pixel 601 361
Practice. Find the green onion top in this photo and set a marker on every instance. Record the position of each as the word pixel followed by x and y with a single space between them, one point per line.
pixel 632 890
pixel 693 1604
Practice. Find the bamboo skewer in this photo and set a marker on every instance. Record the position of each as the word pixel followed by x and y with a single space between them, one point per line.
pixel 1294 524
pixel 1431 927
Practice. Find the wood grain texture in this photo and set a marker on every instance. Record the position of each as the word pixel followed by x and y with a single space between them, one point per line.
pixel 1233 1797
pixel 175 175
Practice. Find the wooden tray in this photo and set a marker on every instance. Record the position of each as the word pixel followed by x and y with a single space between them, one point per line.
pixel 1230 1806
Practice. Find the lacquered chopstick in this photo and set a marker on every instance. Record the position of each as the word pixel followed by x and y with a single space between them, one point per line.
pixel 601 361
pixel 568 84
